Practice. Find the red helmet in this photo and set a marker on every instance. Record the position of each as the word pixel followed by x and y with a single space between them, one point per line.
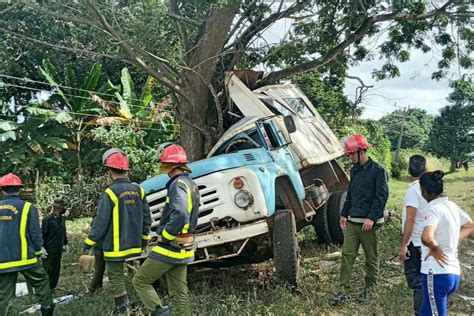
pixel 355 142
pixel 174 154
pixel 10 180
pixel 116 159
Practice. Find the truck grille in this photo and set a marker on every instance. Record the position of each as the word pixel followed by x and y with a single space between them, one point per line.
pixel 209 198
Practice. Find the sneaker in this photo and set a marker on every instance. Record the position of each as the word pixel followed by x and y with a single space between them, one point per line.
pixel 338 299
pixel 365 296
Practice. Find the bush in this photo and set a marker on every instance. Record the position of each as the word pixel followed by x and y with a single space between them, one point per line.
pixel 80 197
pixel 400 170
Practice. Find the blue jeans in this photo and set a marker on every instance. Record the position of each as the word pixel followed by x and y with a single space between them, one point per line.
pixel 436 290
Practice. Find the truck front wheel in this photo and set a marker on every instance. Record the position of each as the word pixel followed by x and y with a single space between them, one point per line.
pixel 285 247
pixel 334 207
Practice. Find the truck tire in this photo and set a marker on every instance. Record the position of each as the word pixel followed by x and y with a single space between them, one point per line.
pixel 334 207
pixel 285 247
pixel 320 224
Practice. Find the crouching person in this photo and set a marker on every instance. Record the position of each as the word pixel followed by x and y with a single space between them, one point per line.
pixel 175 248
pixel 21 242
pixel 121 224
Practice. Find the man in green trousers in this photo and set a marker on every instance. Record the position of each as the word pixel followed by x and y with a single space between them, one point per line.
pixel 121 224
pixel 175 248
pixel 21 245
pixel 361 215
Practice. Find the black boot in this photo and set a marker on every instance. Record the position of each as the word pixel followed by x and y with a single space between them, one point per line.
pixel 47 311
pixel 161 311
pixel 121 304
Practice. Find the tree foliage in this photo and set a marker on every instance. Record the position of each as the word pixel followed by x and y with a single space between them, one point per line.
pixel 452 135
pixel 417 126
pixel 188 45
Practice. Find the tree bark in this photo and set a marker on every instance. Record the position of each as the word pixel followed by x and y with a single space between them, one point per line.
pixel 198 133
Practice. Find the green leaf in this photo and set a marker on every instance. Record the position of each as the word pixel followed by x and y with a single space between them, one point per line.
pixel 8 135
pixel 8 125
pixel 124 110
pixel 127 86
pixel 146 95
pixel 63 117
pixel 90 84
pixel 47 72
pixel 41 112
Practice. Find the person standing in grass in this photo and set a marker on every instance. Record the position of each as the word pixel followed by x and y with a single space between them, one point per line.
pixel 361 215
pixel 20 246
pixel 412 226
pixel 55 240
pixel 122 224
pixel 444 225
pixel 175 248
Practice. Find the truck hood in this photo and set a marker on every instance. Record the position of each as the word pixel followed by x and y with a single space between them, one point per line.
pixel 214 164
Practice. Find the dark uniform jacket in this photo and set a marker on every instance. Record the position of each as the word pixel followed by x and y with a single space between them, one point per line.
pixel 54 233
pixel 368 193
pixel 180 216
pixel 20 234
pixel 122 221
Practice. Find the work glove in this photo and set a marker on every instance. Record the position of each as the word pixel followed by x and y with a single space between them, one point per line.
pixel 44 253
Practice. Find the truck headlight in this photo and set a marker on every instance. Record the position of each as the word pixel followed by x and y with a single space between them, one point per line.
pixel 243 199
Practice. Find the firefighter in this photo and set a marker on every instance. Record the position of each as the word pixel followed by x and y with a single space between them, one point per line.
pixel 175 248
pixel 121 224
pixel 21 243
pixel 361 215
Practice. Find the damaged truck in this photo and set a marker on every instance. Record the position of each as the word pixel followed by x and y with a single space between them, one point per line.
pixel 271 173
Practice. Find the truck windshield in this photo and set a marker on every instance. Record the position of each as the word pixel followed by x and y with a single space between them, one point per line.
pixel 276 107
pixel 300 107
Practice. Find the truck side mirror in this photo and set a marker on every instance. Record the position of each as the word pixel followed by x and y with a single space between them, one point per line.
pixel 289 124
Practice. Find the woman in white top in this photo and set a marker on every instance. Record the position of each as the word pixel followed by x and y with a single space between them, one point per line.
pixel 444 225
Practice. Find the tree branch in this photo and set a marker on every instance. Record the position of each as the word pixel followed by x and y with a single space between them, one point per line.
pixel 13 6
pixel 61 47
pixel 57 15
pixel 177 18
pixel 133 57
pixel 275 76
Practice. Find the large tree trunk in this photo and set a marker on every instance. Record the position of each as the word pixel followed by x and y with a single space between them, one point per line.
pixel 452 167
pixel 197 134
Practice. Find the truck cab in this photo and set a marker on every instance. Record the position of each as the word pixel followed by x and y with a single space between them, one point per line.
pixel 270 174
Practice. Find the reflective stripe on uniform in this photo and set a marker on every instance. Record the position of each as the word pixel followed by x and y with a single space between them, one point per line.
pixel 89 242
pixel 167 235
pixel 181 254
pixel 190 205
pixel 118 254
pixel 431 295
pixel 146 237
pixel 23 224
pixel 38 253
pixel 142 191
pixel 115 220
pixel 167 200
pixel 23 243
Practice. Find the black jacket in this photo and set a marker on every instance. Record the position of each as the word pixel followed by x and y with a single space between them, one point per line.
pixel 122 221
pixel 368 193
pixel 20 234
pixel 54 233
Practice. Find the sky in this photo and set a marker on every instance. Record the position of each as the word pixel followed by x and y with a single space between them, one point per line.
pixel 413 88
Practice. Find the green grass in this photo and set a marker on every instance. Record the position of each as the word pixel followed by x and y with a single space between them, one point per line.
pixel 254 289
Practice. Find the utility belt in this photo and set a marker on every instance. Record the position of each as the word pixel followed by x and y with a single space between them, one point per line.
pixel 185 241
